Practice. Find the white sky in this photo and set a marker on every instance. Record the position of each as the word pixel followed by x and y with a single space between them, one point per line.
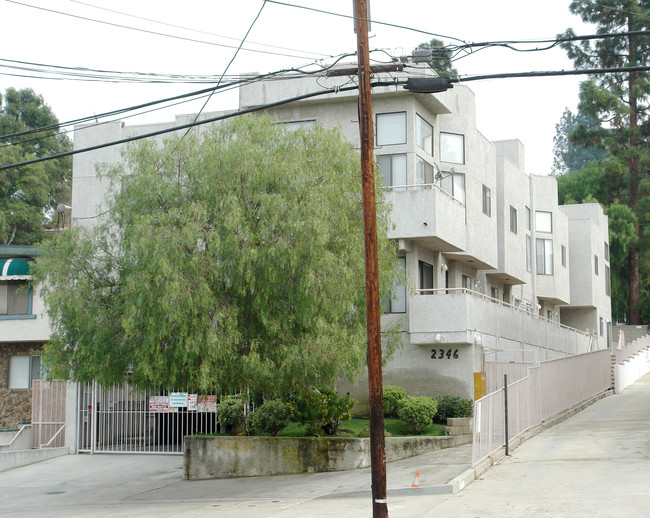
pixel 527 109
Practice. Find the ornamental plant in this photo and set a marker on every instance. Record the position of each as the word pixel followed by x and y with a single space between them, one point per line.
pixel 322 410
pixel 271 417
pixel 453 406
pixel 394 398
pixel 231 414
pixel 417 413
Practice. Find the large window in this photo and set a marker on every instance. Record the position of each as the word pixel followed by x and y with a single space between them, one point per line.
pixel 22 370
pixel 529 253
pixel 425 271
pixel 423 171
pixel 545 256
pixel 454 184
pixel 487 201
pixel 513 220
pixel 392 169
pixel 391 128
pixel 423 134
pixel 452 148
pixel 543 221
pixel 396 303
pixel 15 298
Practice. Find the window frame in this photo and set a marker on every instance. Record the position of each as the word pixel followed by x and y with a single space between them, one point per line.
pixel 422 266
pixel 513 220
pixel 529 253
pixel 487 201
pixel 595 264
pixel 563 252
pixel 29 296
pixel 418 134
pixel 29 374
pixel 545 264
pixel 392 158
pixel 538 221
pixel 446 157
pixel 427 174
pixel 401 286
pixel 378 133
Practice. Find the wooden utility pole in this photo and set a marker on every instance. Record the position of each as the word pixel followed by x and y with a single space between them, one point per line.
pixel 377 446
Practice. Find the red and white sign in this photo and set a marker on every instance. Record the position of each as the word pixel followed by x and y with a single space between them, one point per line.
pixel 158 404
pixel 206 404
pixel 191 402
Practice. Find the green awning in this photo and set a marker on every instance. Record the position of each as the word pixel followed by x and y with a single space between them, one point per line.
pixel 15 268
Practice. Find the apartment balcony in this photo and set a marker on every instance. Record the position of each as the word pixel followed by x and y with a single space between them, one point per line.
pixel 460 316
pixel 427 213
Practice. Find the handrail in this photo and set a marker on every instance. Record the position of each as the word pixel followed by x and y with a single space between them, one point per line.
pixel 421 187
pixel 446 291
pixel 2 445
pixel 62 427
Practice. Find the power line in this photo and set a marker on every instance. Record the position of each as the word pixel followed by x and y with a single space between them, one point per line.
pixel 146 31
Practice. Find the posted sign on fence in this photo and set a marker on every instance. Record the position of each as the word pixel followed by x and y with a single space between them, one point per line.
pixel 158 404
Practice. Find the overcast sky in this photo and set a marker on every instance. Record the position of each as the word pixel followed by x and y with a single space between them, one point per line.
pixel 527 109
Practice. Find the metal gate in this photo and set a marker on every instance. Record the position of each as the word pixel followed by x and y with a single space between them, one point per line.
pixel 124 419
pixel 48 413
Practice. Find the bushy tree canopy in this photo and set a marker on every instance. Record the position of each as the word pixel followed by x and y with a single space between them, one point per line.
pixel 227 260
pixel 29 193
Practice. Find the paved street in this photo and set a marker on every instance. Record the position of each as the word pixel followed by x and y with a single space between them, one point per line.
pixel 593 464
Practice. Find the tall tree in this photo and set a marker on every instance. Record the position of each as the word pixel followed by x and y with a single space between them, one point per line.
pixel 227 260
pixel 568 156
pixel 619 101
pixel 29 195
pixel 441 58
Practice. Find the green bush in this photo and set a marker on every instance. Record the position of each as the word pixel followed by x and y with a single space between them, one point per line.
pixel 322 410
pixel 230 413
pixel 453 406
pixel 271 417
pixel 394 398
pixel 418 413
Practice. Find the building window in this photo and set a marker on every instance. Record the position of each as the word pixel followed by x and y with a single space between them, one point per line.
pixel 426 277
pixel 396 303
pixel 487 201
pixel 423 171
pixel 454 184
pixel 15 298
pixel 545 257
pixel 467 282
pixel 494 292
pixel 543 221
pixel 529 253
pixel 563 255
pixel 549 314
pixel 452 148
pixel 391 128
pixel 513 220
pixel 527 216
pixel 424 134
pixel 608 285
pixel 606 252
pixel 596 264
pixel 601 326
pixel 392 169
pixel 22 370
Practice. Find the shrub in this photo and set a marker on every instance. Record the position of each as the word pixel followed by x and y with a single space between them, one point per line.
pixel 394 398
pixel 453 406
pixel 417 413
pixel 271 417
pixel 322 410
pixel 230 413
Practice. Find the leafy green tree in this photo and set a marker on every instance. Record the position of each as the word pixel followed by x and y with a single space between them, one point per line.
pixel 441 58
pixel 226 261
pixel 29 194
pixel 567 156
pixel 619 102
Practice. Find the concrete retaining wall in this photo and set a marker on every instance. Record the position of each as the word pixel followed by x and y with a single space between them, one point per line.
pixel 631 370
pixel 207 457
pixel 15 459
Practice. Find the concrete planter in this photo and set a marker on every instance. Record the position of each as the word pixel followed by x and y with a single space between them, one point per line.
pixel 207 457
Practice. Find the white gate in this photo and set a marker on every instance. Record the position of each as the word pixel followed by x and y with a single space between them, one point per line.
pixel 123 419
pixel 48 413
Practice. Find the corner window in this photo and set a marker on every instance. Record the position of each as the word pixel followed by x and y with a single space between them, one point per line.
pixel 15 298
pixel 454 184
pixel 513 220
pixel 452 148
pixel 424 134
pixel 22 370
pixel 392 169
pixel 425 271
pixel 487 201
pixel 396 303
pixel 423 171
pixel 391 128
pixel 545 257
pixel 467 282
pixel 543 221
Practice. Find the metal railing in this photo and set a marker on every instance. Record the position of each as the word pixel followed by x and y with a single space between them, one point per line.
pixel 550 388
pixel 48 413
pixel 419 187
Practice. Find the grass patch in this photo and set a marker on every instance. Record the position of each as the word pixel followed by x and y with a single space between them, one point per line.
pixel 358 427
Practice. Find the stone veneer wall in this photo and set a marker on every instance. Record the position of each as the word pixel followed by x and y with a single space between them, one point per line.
pixel 15 404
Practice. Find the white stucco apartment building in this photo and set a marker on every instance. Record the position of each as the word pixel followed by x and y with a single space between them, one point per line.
pixel 494 266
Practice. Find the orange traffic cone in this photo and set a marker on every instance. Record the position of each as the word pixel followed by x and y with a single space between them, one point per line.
pixel 416 480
